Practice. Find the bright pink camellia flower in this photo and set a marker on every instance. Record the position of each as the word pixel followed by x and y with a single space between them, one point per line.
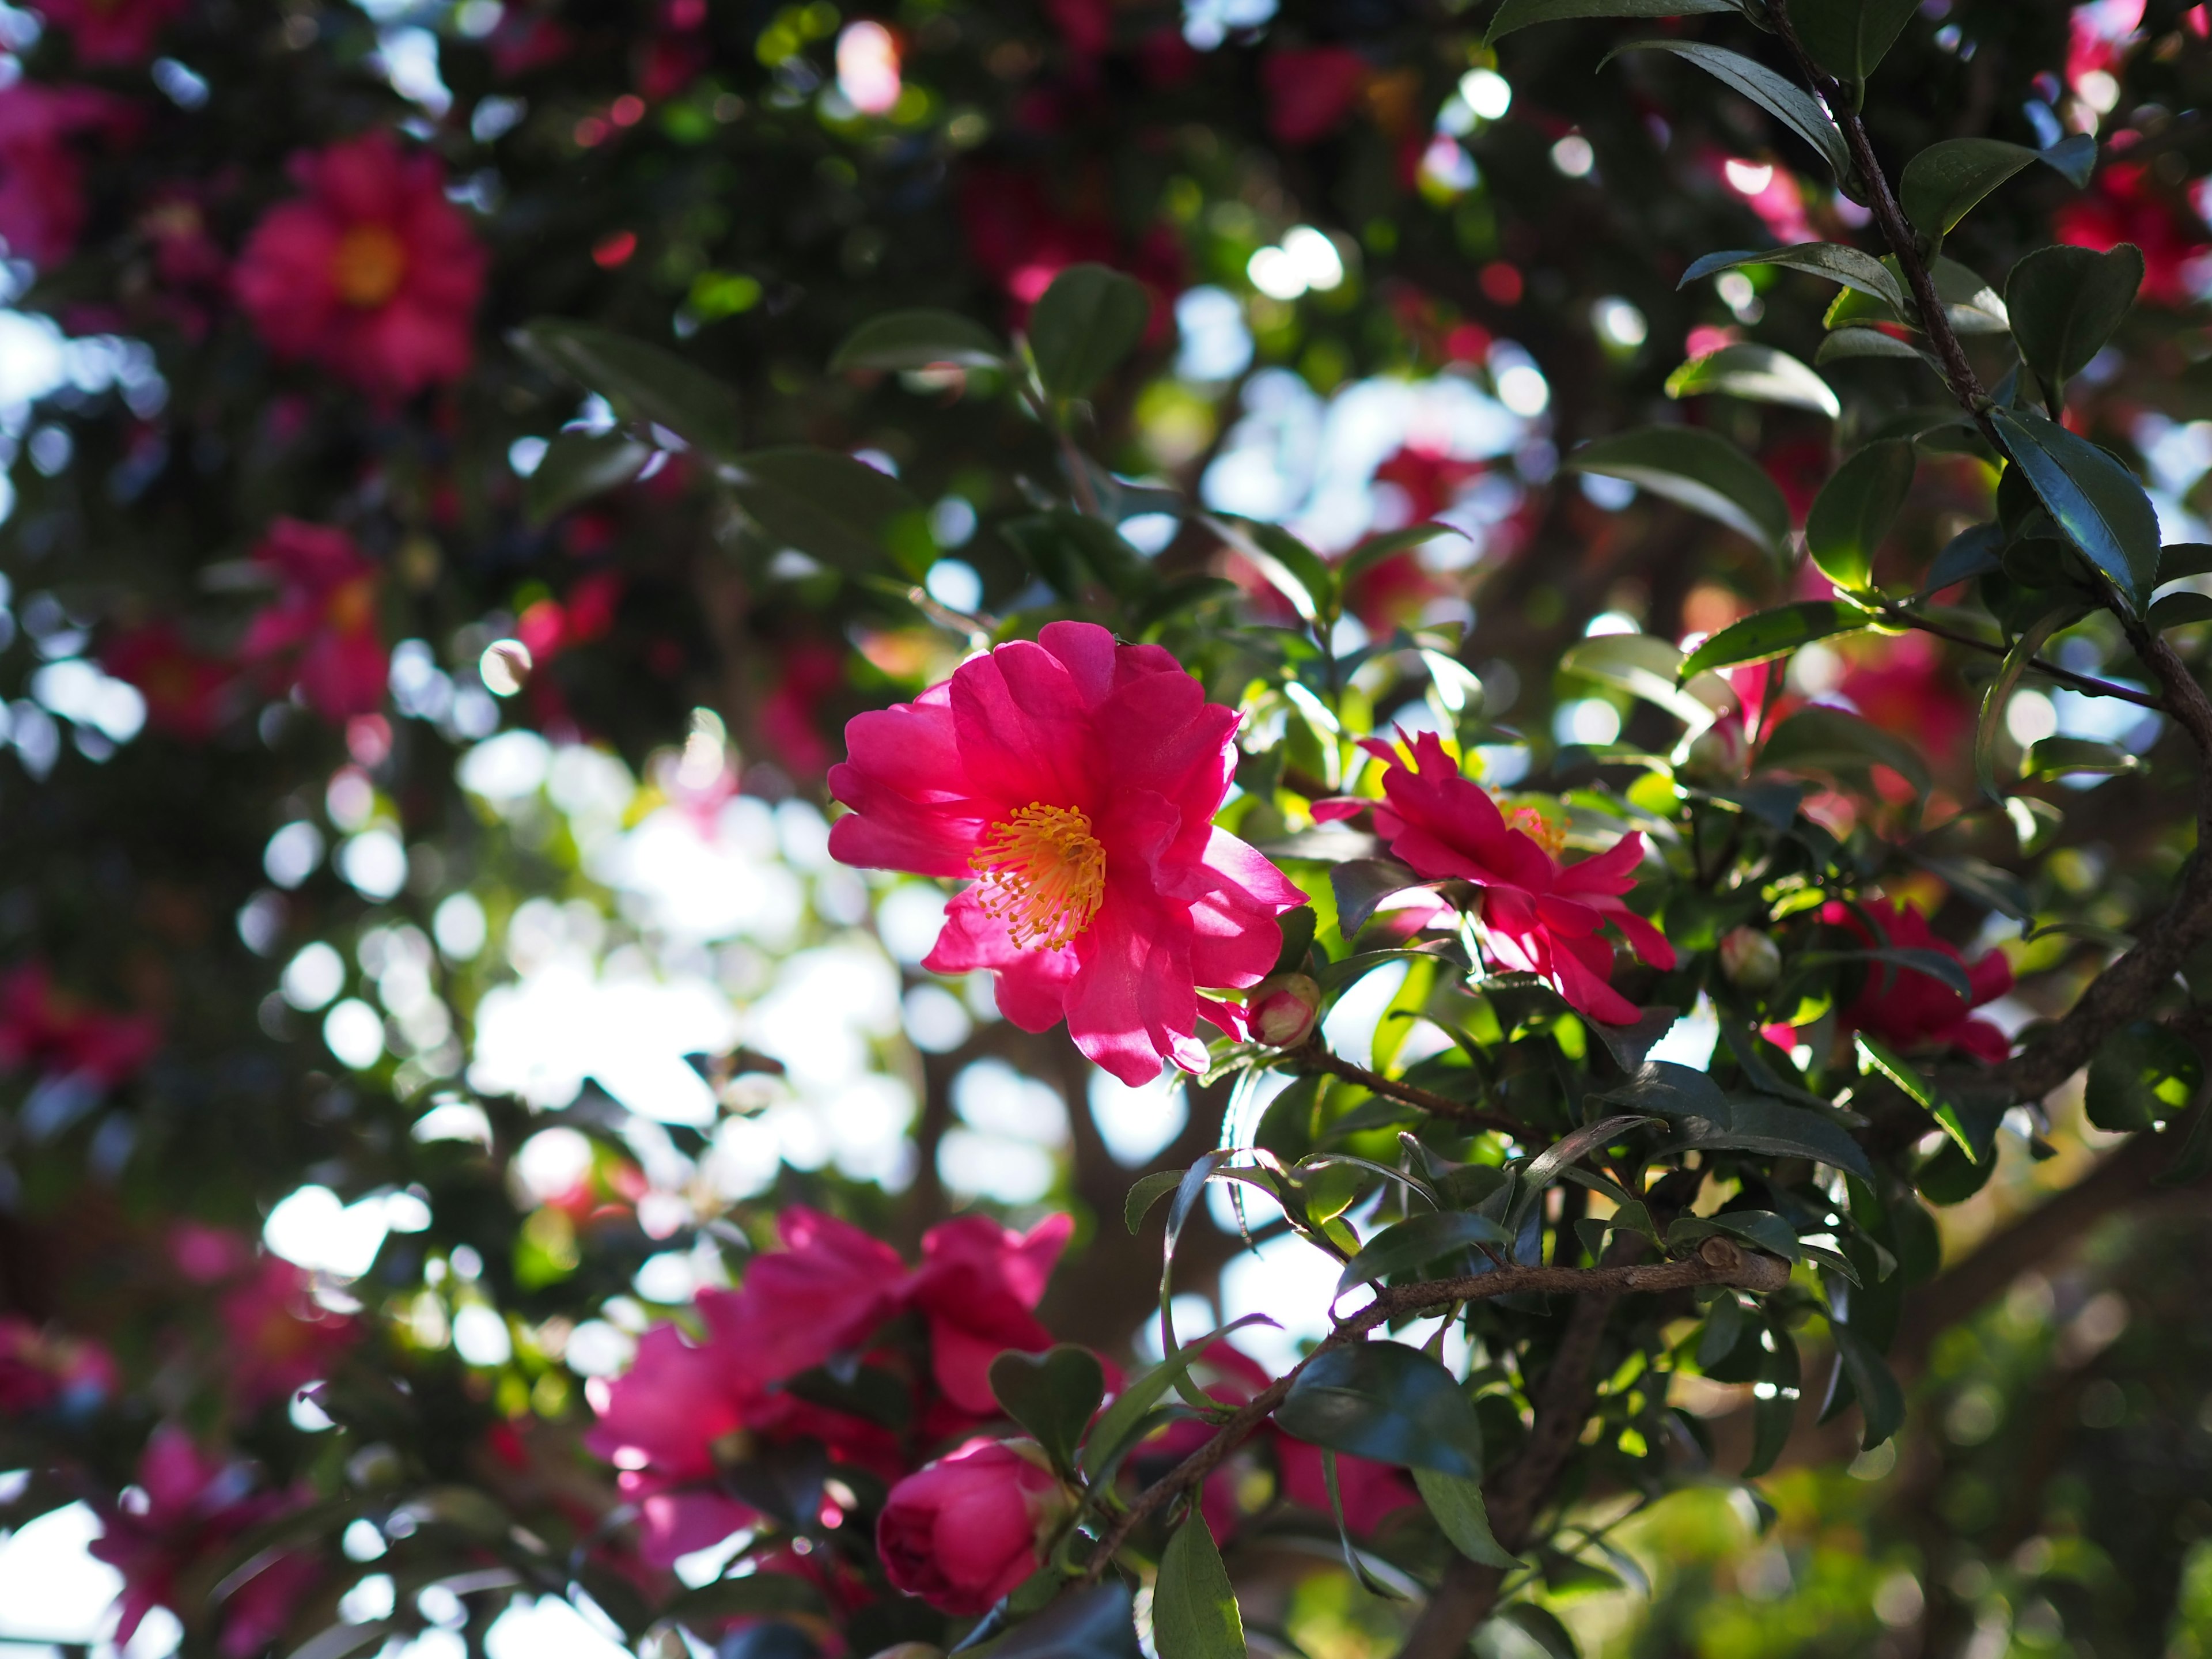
pixel 976 1284
pixel 44 1028
pixel 320 631
pixel 1538 915
pixel 1910 1010
pixel 2125 205
pixel 187 1507
pixel 966 1530
pixel 373 273
pixel 111 32
pixel 1076 780
pixel 41 178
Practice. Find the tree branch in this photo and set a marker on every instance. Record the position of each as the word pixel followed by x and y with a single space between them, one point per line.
pixel 1315 1058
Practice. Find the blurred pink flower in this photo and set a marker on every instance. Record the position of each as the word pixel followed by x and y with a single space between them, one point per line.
pixel 372 273
pixel 2125 205
pixel 1910 1010
pixel 1309 90
pixel 41 177
pixel 320 632
pixel 111 33
pixel 187 695
pixel 278 1337
pixel 977 1285
pixel 966 1530
pixel 47 1029
pixel 1076 779
pixel 40 1368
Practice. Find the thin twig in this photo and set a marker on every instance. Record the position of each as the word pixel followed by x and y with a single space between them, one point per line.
pixel 2085 684
pixel 1315 1058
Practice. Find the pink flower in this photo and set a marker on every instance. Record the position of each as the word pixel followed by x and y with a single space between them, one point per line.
pixel 1538 915
pixel 2125 204
pixel 60 1037
pixel 1077 781
pixel 1910 1010
pixel 659 1424
pixel 38 1369
pixel 372 273
pixel 187 695
pixel 41 178
pixel 828 1287
pixel 277 1338
pixel 976 1285
pixel 320 632
pixel 966 1530
pixel 1309 91
pixel 1284 1011
pixel 111 32
pixel 1368 1491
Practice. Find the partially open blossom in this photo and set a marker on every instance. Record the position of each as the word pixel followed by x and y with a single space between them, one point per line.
pixel 966 1530
pixel 1750 959
pixel 372 272
pixel 187 694
pixel 320 632
pixel 977 1285
pixel 1076 780
pixel 42 1369
pixel 1282 1011
pixel 44 1029
pixel 1910 1010
pixel 1538 915
pixel 41 176
pixel 111 32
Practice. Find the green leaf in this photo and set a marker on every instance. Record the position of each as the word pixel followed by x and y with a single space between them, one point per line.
pixel 1881 1057
pixel 1698 469
pixel 1670 1090
pixel 1387 1401
pixel 1148 1192
pixel 1934 965
pixel 1360 887
pixel 1135 1401
pixel 2142 1075
pixel 2178 610
pixel 1778 96
pixel 839 510
pixel 1572 1148
pixel 2058 757
pixel 578 466
pixel 1833 260
pixel 2096 502
pixel 1846 344
pixel 1521 14
pixel 1855 510
pixel 1850 37
pixel 1090 319
pixel 1194 1612
pixel 1409 1243
pixel 1649 667
pixel 645 383
pixel 2195 1157
pixel 755 1594
pixel 2065 302
pixel 1375 549
pixel 1881 1402
pixel 1053 1395
pixel 1456 1503
pixel 1070 543
pixel 1975 551
pixel 1999 694
pixel 1942 184
pixel 1776 1130
pixel 1097 1623
pixel 1775 634
pixel 2182 559
pixel 919 339
pixel 1820 739
pixel 1758 374
pixel 1969 305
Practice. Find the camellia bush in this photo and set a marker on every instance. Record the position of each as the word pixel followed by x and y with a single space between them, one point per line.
pixel 744 738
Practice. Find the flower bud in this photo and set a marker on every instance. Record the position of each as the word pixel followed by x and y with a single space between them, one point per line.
pixel 1283 1010
pixel 964 1531
pixel 1751 959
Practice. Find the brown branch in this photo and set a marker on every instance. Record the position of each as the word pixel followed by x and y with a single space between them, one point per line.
pixel 2082 683
pixel 1718 1261
pixel 1315 1058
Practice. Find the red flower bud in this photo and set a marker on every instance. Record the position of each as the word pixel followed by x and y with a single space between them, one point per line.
pixel 1752 960
pixel 966 1530
pixel 1283 1010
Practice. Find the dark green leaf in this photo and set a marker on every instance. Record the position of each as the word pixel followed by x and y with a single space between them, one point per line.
pixel 1572 1148
pixel 2178 610
pixel 1671 1090
pixel 1053 1395
pixel 1850 37
pixel 1456 1503
pixel 2142 1075
pixel 1135 1401
pixel 1097 1623
pixel 1362 885
pixel 2190 1163
pixel 2094 500
pixel 1881 1057
pixel 1521 14
pixel 1833 260
pixel 1698 469
pixel 1942 184
pixel 1650 668
pixel 1778 96
pixel 1820 739
pixel 830 506
pixel 919 339
pixel 1775 634
pixel 1375 549
pixel 1760 1228
pixel 1758 374
pixel 1881 1402
pixel 2182 559
pixel 1148 1192
pixel 1195 1614
pixel 1855 510
pixel 2057 757
pixel 1539 1625
pixel 1849 342
pixel 1074 544
pixel 1089 319
pixel 1298 928
pixel 645 383
pixel 1999 694
pixel 1387 1401
pixel 1423 1238
pixel 1779 1131
pixel 1936 964
pixel 2065 302
pixel 756 1595
pixel 578 466
pixel 1974 551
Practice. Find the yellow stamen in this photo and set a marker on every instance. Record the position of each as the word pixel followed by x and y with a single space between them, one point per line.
pixel 368 264
pixel 1552 837
pixel 1042 873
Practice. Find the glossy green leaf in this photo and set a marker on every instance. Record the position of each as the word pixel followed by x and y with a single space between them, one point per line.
pixel 1975 551
pixel 2142 1074
pixel 1835 261
pixel 1970 303
pixel 919 339
pixel 1944 183
pixel 1848 343
pixel 1775 634
pixel 2096 503
pixel 1146 1193
pixel 1758 374
pixel 1879 1057
pixel 1855 510
pixel 1387 1401
pixel 1850 37
pixel 2058 757
pixel 2065 302
pixel 2178 610
pixel 828 504
pixel 1524 13
pixel 1053 1395
pixel 2183 559
pixel 644 383
pixel 578 466
pixel 1822 739
pixel 1136 1400
pixel 1462 1517
pixel 1881 1402
pixel 1778 96
pixel 1375 549
pixel 1096 1623
pixel 1194 1612
pixel 1649 668
pixel 1771 1127
pixel 1360 887
pixel 1407 1244
pixel 1088 320
pixel 1698 469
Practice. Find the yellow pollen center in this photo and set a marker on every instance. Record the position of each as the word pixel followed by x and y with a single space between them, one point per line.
pixel 1552 837
pixel 1042 873
pixel 368 264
